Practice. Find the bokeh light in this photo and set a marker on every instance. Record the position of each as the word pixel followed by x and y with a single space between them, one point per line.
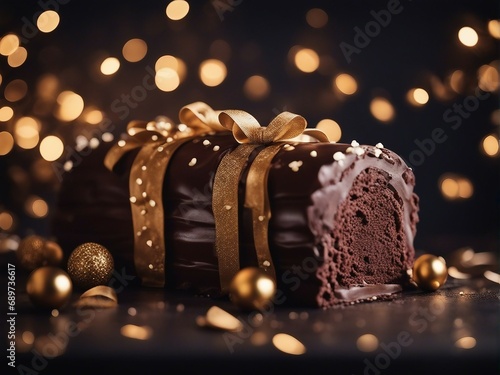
pixel 6 219
pixel 15 90
pixel 256 87
pixel 134 50
pixel 6 113
pixel 70 106
pixel 18 57
pixel 317 18
pixel 93 116
pixel 490 145
pixel 26 132
pixel 177 9
pixel 367 343
pixel 220 49
pixel 331 128
pixel 8 44
pixel 468 36
pixel 455 187
pixel 494 28
pixel 6 142
pixel 306 60
pixel 457 81
pixel 36 207
pixel 382 109
pixel 346 84
pixel 288 344
pixel 488 78
pixel 48 21
pixel 51 148
pixel 110 66
pixel 212 72
pixel 167 79
pixel 174 63
pixel 417 96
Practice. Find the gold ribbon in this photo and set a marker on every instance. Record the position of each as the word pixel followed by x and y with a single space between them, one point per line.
pixel 248 132
pixel 100 296
pixel 158 141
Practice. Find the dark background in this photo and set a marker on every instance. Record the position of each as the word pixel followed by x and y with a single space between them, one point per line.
pixel 418 43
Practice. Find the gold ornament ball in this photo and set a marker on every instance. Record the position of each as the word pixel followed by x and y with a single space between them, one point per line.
pixel 35 251
pixel 429 272
pixel 89 265
pixel 49 287
pixel 251 289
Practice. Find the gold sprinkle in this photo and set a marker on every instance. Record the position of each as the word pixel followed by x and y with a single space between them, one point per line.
pixel 288 344
pixel 152 203
pixel 266 263
pixel 133 199
pixel 461 293
pixel 144 168
pixel 349 150
pixel 149 243
pixel 206 142
pixel 121 143
pixel 192 162
pixel 160 149
pixel 313 153
pixel 227 207
pixel 154 138
pixel 338 156
pixel 261 218
pixel 295 165
pixel 138 181
pixel 216 148
pixel 379 145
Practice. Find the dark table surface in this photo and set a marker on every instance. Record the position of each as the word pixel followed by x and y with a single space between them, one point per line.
pixel 454 330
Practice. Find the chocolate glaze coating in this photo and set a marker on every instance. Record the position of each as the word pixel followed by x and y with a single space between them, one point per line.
pixel 334 224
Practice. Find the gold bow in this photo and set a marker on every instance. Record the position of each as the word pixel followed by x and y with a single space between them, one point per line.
pixel 248 132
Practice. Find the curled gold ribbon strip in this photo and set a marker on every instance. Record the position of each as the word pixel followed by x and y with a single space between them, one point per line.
pixel 248 132
pixel 100 296
pixel 157 140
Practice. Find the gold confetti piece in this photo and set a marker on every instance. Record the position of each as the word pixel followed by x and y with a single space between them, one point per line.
pixel 492 276
pixel 367 342
pixel 136 332
pixel 466 342
pixel 221 319
pixel 288 344
pixel 456 274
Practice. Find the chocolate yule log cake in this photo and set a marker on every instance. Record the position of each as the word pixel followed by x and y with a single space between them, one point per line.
pixel 188 205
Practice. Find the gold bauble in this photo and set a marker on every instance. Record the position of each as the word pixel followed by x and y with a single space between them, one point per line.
pixel 251 289
pixel 429 272
pixel 35 251
pixel 89 265
pixel 49 287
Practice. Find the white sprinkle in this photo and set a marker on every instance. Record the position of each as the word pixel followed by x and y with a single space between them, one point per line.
pixel 192 162
pixel 182 127
pixel 144 194
pixel 354 143
pixel 138 181
pixel 289 148
pixel 122 143
pixel 143 212
pixel 149 243
pixel 169 139
pixel 133 199
pixel 152 203
pixel 338 156
pixel 216 148
pixel 94 143
pixel 144 167
pixel 150 266
pixel 266 263
pixel 295 165
pixel 261 218
pixel 107 137
pixel 379 145
pixel 359 151
pixel 154 137
pixel 227 207
pixel 144 227
pixel 349 150
pixel 313 153
pixel 139 233
pixel 206 142
pixel 377 152
pixel 160 149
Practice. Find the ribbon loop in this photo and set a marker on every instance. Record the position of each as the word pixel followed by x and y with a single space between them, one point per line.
pixel 200 117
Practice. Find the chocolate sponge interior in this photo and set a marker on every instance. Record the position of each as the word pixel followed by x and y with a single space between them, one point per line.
pixel 367 244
